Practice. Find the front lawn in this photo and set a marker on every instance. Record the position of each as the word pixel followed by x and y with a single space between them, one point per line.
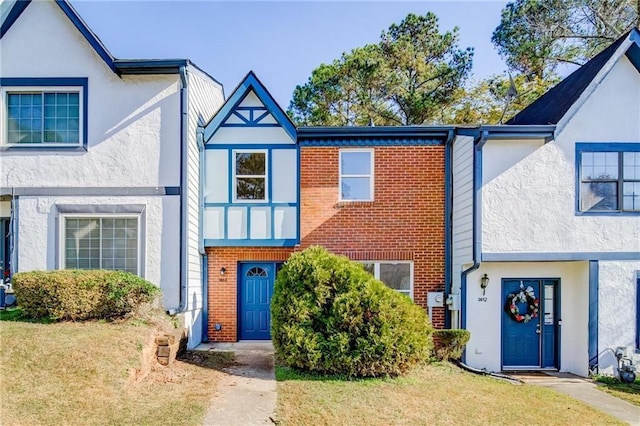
pixel 433 394
pixel 85 374
pixel 627 391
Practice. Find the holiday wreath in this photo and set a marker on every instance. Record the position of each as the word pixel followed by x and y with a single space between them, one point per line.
pixel 523 296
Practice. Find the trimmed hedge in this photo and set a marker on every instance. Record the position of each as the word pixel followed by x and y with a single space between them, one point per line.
pixel 329 316
pixel 81 294
pixel 449 344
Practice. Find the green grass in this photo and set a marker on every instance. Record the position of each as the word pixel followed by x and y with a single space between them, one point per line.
pixel 628 391
pixel 431 394
pixel 88 373
pixel 16 314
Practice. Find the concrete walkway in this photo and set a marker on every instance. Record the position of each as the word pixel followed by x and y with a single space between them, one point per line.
pixel 585 390
pixel 247 393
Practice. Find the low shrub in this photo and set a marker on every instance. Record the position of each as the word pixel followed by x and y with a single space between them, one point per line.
pixel 81 294
pixel 449 344
pixel 329 316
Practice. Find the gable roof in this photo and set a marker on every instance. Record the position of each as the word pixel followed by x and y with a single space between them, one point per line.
pixel 250 83
pixel 551 107
pixel 14 9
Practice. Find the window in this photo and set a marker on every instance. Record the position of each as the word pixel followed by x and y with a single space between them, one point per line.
pixel 39 116
pixel 609 178
pixel 396 275
pixel 110 242
pixel 356 175
pixel 250 176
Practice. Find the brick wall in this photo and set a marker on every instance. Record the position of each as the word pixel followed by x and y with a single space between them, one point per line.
pixel 222 296
pixel 404 222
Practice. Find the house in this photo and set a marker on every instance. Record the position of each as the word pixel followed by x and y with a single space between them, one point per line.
pixel 99 156
pixel 546 224
pixel 530 231
pixel 374 194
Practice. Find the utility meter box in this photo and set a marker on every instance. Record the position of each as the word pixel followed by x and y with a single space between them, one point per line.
pixel 435 299
pixel 453 301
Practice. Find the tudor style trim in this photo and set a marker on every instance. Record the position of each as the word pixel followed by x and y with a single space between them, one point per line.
pixel 248 84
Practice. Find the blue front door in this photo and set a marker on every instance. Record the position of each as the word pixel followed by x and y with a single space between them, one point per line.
pixel 529 342
pixel 255 290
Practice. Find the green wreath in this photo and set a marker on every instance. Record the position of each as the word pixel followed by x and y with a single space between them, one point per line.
pixel 523 296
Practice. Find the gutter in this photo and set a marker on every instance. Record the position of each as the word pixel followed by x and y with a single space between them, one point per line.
pixel 204 266
pixel 184 144
pixel 448 219
pixel 478 143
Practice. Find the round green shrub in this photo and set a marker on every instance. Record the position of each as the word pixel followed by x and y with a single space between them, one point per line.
pixel 329 316
pixel 450 343
pixel 81 294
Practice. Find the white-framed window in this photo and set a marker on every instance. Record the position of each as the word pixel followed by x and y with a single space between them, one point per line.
pixel 396 275
pixel 100 242
pixel 249 175
pixel 43 116
pixel 356 175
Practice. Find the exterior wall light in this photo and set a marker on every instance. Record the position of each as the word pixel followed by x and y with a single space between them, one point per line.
pixel 223 270
pixel 484 282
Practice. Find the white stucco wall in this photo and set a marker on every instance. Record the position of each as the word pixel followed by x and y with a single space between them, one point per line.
pixel 616 312
pixel 133 121
pixel 528 201
pixel 39 247
pixel 484 318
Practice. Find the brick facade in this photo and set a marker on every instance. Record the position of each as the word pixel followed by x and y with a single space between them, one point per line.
pixel 404 222
pixel 222 296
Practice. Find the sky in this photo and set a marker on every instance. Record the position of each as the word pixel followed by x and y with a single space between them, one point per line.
pixel 282 42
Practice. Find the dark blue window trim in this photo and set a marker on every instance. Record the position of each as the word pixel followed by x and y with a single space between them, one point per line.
pixel 601 147
pixel 54 82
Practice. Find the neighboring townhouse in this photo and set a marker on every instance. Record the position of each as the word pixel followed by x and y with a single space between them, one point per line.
pixel 374 194
pixel 546 217
pixel 99 162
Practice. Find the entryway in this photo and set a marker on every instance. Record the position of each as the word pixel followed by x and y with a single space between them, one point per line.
pixel 255 288
pixel 530 324
pixel 4 246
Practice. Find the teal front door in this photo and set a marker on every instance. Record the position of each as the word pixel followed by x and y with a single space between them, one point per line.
pixel 255 290
pixel 529 323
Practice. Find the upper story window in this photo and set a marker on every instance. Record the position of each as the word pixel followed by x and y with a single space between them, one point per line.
pixel 396 275
pixel 43 116
pixel 43 112
pixel 609 178
pixel 250 175
pixel 356 175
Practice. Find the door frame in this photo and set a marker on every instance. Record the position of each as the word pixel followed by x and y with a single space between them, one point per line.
pixel 5 241
pixel 240 274
pixel 556 326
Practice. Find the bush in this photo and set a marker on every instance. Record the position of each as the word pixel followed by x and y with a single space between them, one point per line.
pixel 81 294
pixel 449 344
pixel 329 316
